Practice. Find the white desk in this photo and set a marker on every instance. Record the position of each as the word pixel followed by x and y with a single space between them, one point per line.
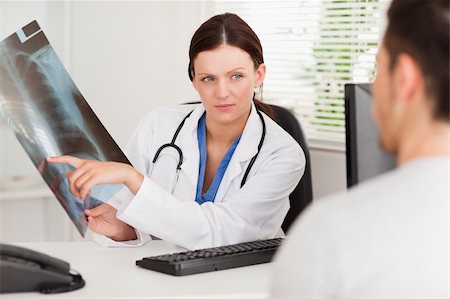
pixel 111 272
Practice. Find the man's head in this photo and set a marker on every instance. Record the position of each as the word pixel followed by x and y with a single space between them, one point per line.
pixel 412 83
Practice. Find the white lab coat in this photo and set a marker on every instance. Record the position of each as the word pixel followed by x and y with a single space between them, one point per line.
pixel 255 211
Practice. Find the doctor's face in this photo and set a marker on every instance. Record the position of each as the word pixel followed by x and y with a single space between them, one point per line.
pixel 225 78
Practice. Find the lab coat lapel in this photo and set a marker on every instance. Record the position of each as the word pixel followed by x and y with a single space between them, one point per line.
pixel 189 145
pixel 246 149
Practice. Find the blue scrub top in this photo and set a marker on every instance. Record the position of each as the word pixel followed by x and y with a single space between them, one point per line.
pixel 210 195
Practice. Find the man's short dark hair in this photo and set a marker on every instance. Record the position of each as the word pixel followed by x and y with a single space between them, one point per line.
pixel 420 28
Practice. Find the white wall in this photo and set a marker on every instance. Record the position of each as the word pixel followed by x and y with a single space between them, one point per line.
pixel 126 58
pixel 328 171
pixel 129 57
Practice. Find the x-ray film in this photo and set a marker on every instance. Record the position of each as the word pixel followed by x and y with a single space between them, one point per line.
pixel 49 116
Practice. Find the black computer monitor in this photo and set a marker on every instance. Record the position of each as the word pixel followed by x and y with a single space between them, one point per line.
pixel 364 155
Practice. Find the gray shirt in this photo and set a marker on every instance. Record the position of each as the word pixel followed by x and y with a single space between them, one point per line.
pixel 386 238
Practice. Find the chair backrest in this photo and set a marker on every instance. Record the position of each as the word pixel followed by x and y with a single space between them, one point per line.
pixel 302 194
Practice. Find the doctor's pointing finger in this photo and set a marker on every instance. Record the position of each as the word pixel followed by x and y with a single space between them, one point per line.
pixel 89 173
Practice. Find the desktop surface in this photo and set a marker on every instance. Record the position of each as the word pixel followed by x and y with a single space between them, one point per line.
pixel 111 272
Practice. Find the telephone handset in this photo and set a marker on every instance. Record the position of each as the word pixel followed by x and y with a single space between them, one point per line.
pixel 26 270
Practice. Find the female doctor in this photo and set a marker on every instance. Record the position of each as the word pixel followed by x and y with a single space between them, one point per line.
pixel 203 175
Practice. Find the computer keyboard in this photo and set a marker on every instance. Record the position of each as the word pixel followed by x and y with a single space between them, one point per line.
pixel 213 259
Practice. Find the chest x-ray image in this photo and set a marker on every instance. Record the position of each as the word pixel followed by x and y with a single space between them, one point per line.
pixel 49 116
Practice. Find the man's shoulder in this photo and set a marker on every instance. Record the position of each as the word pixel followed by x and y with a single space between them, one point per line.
pixel 405 192
pixel 337 216
pixel 361 196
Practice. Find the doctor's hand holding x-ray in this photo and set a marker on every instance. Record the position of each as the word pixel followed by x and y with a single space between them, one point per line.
pixel 87 174
pixel 203 175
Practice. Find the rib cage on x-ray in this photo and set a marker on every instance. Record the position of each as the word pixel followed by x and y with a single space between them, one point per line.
pixel 50 117
pixel 35 80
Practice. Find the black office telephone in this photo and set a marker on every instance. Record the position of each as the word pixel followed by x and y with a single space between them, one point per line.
pixel 26 270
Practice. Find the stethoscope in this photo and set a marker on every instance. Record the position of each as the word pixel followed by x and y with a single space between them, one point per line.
pixel 180 152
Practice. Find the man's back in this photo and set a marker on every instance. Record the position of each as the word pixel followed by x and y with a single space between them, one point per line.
pixel 387 238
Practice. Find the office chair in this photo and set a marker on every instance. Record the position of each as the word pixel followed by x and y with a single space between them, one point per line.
pixel 302 194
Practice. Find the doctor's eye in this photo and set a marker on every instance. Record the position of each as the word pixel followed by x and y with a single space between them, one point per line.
pixel 207 79
pixel 237 76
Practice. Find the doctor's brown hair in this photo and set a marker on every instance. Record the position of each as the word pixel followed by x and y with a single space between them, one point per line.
pixel 420 28
pixel 227 29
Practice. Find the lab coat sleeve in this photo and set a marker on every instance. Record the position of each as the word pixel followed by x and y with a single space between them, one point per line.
pixel 138 144
pixel 119 202
pixel 255 211
pixel 141 239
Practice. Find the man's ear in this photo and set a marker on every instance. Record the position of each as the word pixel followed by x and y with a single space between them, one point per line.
pixel 408 78
pixel 260 74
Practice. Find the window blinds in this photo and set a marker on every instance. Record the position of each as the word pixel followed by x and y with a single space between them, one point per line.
pixel 311 49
